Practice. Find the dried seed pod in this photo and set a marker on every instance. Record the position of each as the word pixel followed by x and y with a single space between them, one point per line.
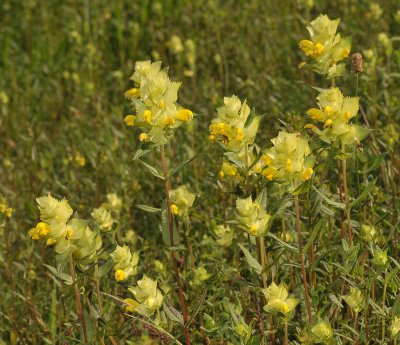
pixel 357 62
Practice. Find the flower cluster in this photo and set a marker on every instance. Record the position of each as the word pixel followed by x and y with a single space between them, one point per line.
pixel 225 235
pixel 289 159
pixel 231 127
pixel 322 333
pixel 154 99
pixel 125 263
pixel 354 299
pixel 334 112
pixel 65 234
pixel 278 300
pixel 148 298
pixel 181 200
pixel 326 47
pixel 252 216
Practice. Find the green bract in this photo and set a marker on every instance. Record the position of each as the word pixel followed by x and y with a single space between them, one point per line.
pixel 147 294
pixel 278 300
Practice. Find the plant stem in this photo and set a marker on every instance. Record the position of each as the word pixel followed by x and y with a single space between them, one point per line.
pixel 79 309
pixel 383 307
pixel 303 269
pixel 286 333
pixel 342 230
pixel 346 195
pixel 164 164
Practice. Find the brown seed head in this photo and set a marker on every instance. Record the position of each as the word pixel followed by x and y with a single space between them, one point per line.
pixel 357 62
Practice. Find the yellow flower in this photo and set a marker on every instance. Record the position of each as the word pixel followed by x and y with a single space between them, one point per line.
pixel 174 209
pixel 143 136
pixel 147 116
pixel 130 120
pixel 184 115
pixel 308 173
pixel 328 123
pixel 315 114
pixel 34 234
pixel 169 121
pixel 43 228
pixel 120 275
pixel 69 233
pixel 132 93
pixel 51 242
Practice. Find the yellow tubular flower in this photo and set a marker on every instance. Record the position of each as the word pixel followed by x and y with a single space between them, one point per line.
pixel 328 110
pixel 34 234
pixel 51 242
pixel 69 233
pixel 346 116
pixel 174 209
pixel 318 49
pixel 315 114
pixel 43 229
pixel 221 174
pixel 147 116
pixel 306 46
pixel 239 134
pixel 161 105
pixel 184 115
pixel 253 229
pixel 308 173
pixel 289 165
pixel 120 275
pixel 211 138
pixel 345 53
pixel 130 120
pixel 266 160
pixel 328 123
pixel 169 121
pixel 143 137
pixel 132 93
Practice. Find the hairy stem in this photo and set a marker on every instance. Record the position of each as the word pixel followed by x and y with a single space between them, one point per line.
pixel 346 196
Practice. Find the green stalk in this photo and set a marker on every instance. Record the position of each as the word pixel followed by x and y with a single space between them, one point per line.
pixel 79 309
pixel 383 306
pixel 164 164
pixel 346 196
pixel 303 269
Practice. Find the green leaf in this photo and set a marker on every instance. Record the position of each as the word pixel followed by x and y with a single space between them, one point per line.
pixel 303 188
pixel 314 234
pixel 182 165
pixel 149 209
pixel 105 268
pixel 283 243
pixel 66 278
pixel 336 204
pixel 363 195
pixel 253 263
pixel 173 314
pixel 165 231
pixel 375 164
pixel 153 170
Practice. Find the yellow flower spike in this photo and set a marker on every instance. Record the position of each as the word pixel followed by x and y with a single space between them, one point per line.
pixel 34 234
pixel 143 137
pixel 169 121
pixel 130 120
pixel 346 116
pixel 308 173
pixel 221 174
pixel 315 114
pixel 328 123
pixel 43 229
pixel 147 116
pixel 174 209
pixel 120 275
pixel 289 165
pixel 184 115
pixel 318 49
pixel 345 53
pixel 132 93
pixel 328 110
pixel 51 242
pixel 69 233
